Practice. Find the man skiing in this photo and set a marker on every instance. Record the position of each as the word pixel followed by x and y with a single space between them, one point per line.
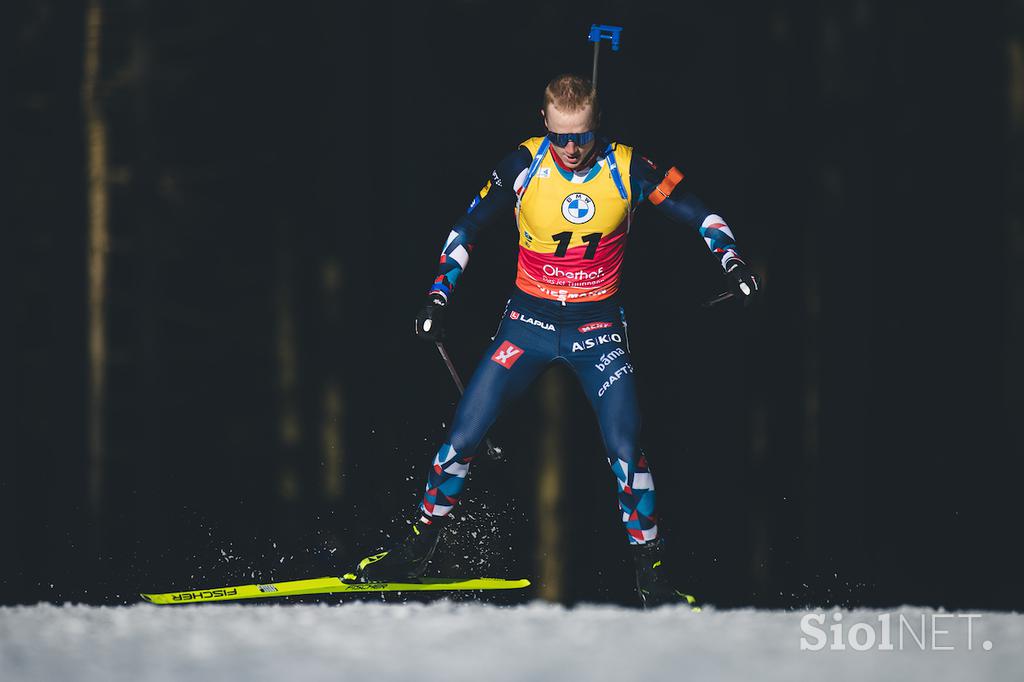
pixel 574 194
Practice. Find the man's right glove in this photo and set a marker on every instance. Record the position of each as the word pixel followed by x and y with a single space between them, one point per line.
pixel 744 280
pixel 430 320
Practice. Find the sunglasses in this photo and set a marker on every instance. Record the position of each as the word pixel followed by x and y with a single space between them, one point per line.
pixel 562 139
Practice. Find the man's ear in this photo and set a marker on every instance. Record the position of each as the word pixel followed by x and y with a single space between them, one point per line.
pixel 544 117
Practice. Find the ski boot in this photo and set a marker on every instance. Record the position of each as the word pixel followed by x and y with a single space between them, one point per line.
pixel 653 581
pixel 405 561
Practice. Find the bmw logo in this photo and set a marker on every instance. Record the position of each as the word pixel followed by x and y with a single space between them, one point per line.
pixel 578 208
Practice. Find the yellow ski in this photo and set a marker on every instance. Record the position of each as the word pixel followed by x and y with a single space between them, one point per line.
pixel 330 585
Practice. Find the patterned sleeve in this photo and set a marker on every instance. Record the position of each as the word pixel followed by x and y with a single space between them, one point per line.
pixel 664 190
pixel 496 198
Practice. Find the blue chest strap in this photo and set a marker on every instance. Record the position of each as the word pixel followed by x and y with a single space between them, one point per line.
pixel 613 167
pixel 537 158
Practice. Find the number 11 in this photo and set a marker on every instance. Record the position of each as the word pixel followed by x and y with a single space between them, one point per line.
pixel 563 239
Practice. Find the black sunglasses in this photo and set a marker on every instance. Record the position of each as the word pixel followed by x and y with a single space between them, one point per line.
pixel 562 139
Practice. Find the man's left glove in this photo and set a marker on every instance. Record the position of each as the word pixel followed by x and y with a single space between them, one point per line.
pixel 747 285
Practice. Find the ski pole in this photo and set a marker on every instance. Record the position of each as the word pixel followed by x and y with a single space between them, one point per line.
pixel 721 298
pixel 726 295
pixel 493 451
pixel 597 34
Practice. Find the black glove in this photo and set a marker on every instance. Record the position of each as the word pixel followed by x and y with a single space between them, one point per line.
pixel 430 319
pixel 745 282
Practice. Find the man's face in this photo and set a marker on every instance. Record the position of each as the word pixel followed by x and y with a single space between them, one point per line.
pixel 557 121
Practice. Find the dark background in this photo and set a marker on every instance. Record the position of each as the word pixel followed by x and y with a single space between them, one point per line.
pixel 281 179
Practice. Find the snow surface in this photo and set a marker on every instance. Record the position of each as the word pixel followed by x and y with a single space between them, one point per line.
pixel 470 641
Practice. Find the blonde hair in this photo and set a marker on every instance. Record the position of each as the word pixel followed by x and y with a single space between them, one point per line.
pixel 570 93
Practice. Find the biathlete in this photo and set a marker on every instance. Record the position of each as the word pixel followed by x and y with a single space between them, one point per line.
pixel 574 194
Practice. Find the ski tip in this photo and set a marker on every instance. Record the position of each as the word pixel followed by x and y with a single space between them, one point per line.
pixel 156 599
